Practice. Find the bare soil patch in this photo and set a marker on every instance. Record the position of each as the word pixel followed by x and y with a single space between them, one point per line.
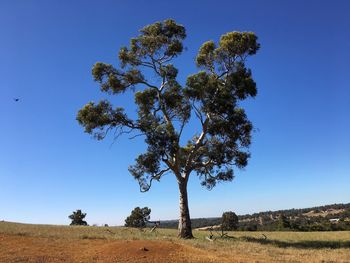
pixel 22 248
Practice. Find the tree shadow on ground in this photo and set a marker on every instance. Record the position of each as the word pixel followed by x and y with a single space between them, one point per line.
pixel 307 244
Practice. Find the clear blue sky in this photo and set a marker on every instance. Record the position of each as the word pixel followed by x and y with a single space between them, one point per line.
pixel 50 167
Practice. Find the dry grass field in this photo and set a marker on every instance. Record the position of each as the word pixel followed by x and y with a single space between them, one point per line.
pixel 46 243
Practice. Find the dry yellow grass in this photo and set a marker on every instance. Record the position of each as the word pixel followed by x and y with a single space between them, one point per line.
pixel 245 247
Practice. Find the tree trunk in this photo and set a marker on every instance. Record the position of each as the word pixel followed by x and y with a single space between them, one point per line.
pixel 185 229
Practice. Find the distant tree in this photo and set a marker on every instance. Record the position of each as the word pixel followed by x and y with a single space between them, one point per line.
pixel 283 222
pixel 211 98
pixel 346 214
pixel 229 221
pixel 138 218
pixel 77 218
pixel 251 226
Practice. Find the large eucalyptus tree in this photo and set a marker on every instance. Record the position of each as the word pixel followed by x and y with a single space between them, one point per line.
pixel 210 97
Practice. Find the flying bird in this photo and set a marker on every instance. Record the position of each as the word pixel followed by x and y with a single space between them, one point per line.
pixel 16 99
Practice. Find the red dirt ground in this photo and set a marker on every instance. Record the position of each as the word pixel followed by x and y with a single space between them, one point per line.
pixel 14 248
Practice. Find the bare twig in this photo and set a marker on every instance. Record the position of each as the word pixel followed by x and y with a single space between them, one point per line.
pixel 137 135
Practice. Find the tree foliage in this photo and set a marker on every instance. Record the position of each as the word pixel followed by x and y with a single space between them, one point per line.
pixel 212 95
pixel 77 218
pixel 229 221
pixel 138 218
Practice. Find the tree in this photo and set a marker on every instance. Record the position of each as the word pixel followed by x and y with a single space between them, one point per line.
pixel 229 221
pixel 210 97
pixel 138 218
pixel 77 218
pixel 283 222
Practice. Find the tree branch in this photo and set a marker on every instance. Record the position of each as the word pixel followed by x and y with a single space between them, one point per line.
pixel 149 85
pixel 181 128
pixel 196 147
pixel 157 177
pixel 161 105
pixel 198 113
pixel 137 135
pixel 222 74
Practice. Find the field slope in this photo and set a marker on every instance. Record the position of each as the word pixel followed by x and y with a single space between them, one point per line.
pixel 46 243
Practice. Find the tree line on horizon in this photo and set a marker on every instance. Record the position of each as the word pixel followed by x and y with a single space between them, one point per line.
pixel 283 220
